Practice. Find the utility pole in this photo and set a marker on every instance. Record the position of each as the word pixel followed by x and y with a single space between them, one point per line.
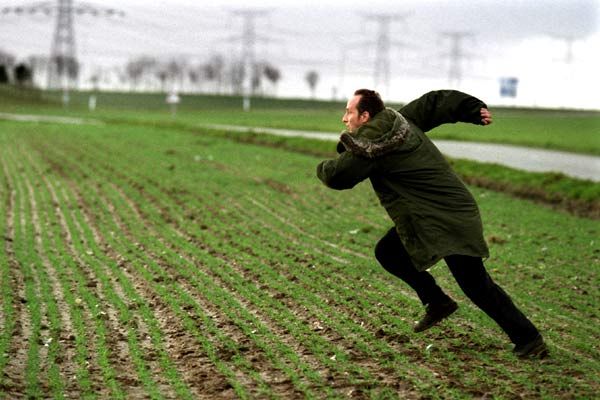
pixel 63 65
pixel 456 56
pixel 249 39
pixel 383 44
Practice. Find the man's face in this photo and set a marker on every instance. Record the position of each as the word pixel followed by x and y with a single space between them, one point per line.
pixel 352 119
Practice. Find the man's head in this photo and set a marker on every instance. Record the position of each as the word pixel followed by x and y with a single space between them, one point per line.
pixel 363 106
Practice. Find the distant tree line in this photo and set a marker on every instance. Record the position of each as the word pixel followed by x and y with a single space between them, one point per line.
pixel 11 72
pixel 150 73
pixel 213 76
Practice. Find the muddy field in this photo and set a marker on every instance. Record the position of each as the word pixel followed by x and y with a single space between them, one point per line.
pixel 140 263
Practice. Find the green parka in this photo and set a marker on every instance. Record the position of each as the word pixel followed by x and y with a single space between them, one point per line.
pixel 434 213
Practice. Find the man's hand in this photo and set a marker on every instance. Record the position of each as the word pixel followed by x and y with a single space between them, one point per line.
pixel 486 116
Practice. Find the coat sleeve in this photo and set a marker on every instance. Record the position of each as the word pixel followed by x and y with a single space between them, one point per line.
pixel 441 107
pixel 345 172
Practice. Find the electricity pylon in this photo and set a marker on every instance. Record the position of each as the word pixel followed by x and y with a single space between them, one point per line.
pixel 63 65
pixel 383 44
pixel 249 38
pixel 456 56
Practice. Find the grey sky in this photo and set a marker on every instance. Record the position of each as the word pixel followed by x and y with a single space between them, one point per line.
pixel 315 34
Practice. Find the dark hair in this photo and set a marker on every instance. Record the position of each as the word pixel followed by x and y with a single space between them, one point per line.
pixel 370 101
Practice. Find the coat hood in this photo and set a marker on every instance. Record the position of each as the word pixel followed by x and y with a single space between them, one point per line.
pixel 385 133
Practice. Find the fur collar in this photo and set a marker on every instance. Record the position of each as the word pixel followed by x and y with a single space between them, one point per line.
pixel 385 141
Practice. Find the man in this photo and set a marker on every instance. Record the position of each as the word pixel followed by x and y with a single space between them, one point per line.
pixel 434 214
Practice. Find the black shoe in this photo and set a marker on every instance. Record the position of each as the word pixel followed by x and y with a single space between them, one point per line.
pixel 533 349
pixel 434 314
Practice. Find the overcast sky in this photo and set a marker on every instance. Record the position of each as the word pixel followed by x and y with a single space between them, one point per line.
pixel 503 38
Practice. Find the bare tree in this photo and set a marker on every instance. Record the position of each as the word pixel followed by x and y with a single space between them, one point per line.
pixel 39 66
pixel 3 75
pixel 175 72
pixel 213 71
pixel 273 75
pixel 95 80
pixel 134 70
pixel 312 78
pixel 237 75
pixel 7 61
pixel 162 76
pixel 23 75
pixel 194 77
pixel 139 67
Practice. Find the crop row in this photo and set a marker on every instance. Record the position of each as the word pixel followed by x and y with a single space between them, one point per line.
pixel 139 264
pixel 228 277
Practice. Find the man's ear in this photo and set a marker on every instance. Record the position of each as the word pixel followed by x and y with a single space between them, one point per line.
pixel 365 117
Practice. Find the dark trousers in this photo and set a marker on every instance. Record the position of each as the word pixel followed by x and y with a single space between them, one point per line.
pixel 471 276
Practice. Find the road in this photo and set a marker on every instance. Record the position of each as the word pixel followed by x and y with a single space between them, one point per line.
pixel 524 158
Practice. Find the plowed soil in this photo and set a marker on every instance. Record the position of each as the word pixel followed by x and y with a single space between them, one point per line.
pixel 162 264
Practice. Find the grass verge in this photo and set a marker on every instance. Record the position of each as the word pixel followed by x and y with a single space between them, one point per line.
pixel 559 129
pixel 576 196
